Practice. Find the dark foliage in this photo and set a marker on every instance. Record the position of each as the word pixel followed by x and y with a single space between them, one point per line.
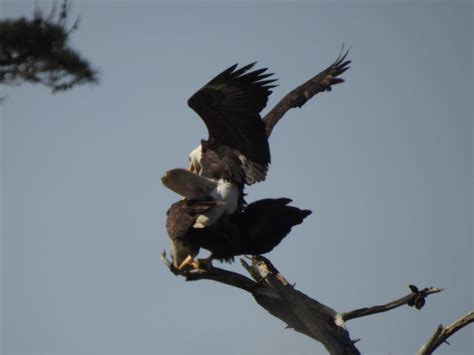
pixel 37 51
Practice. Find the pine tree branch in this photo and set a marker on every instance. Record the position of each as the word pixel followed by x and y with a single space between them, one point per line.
pixel 37 50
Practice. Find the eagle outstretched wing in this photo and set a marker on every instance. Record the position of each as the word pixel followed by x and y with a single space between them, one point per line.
pixel 230 106
pixel 321 82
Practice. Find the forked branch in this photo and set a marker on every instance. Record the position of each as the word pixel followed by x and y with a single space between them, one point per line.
pixel 442 334
pixel 272 292
pixel 417 299
pixel 299 311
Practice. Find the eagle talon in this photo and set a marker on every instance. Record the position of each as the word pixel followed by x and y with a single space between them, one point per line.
pixel 205 263
pixel 188 261
pixel 194 264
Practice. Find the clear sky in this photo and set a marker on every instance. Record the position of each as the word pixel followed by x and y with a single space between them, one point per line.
pixel 384 161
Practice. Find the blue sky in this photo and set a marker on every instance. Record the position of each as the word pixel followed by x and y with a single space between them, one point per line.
pixel 384 161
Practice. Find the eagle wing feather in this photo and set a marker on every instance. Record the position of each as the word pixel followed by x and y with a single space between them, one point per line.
pixel 230 106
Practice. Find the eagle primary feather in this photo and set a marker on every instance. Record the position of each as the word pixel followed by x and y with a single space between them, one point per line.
pixel 230 105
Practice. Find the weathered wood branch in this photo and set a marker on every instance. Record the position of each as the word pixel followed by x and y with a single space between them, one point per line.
pixel 215 274
pixel 308 316
pixel 299 96
pixel 272 292
pixel 303 313
pixel 416 298
pixel 442 334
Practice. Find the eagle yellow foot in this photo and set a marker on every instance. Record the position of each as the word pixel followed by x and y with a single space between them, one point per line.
pixel 189 261
pixel 196 264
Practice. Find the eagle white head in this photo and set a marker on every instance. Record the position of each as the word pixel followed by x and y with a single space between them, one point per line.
pixel 195 160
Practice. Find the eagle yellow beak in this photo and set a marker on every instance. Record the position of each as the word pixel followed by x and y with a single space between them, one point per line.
pixel 194 168
pixel 165 178
pixel 191 167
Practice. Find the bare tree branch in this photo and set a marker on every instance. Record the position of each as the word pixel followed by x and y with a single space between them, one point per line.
pixel 306 315
pixel 416 298
pixel 442 334
pixel 272 292
pixel 302 313
pixel 216 274
pixel 299 96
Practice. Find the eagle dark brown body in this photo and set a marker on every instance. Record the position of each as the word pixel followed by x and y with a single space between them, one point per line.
pixel 256 230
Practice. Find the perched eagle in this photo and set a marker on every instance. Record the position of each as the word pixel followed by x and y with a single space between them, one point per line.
pixel 213 214
pixel 236 152
pixel 256 230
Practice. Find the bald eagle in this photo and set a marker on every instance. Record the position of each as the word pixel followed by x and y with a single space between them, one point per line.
pixel 236 152
pixel 213 214
pixel 256 230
